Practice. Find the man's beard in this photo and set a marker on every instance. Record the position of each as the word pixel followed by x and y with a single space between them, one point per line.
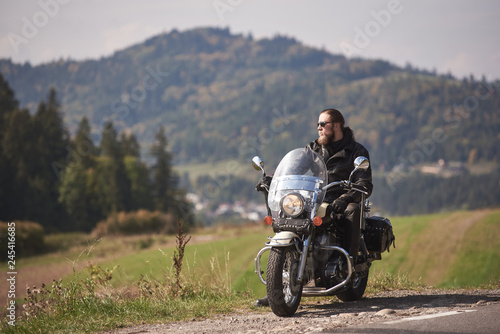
pixel 325 140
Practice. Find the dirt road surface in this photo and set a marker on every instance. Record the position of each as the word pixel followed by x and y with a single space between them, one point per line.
pixel 329 316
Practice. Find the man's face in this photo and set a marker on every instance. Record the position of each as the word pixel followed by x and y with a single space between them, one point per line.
pixel 325 133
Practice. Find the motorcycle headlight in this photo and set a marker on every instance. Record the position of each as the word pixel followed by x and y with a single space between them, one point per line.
pixel 292 205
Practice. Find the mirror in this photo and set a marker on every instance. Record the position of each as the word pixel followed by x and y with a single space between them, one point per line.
pixel 361 162
pixel 258 164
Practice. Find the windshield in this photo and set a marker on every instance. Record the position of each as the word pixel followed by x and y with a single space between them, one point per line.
pixel 300 171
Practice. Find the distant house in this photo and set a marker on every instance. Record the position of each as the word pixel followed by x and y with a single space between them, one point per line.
pixel 444 169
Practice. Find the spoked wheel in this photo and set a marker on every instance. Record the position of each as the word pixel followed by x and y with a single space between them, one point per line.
pixel 283 291
pixel 355 290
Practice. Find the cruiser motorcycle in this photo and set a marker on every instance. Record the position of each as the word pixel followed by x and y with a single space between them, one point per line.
pixel 306 257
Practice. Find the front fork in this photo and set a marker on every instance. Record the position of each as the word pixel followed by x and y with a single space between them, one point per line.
pixel 278 241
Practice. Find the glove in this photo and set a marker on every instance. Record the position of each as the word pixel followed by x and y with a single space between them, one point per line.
pixel 340 204
pixel 264 183
pixel 329 211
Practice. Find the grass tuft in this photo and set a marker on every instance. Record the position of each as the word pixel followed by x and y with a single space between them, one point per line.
pixel 383 281
pixel 89 303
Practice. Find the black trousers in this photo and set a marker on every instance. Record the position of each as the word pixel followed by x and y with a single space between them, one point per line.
pixel 352 215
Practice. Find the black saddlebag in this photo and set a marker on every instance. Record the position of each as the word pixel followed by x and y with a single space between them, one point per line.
pixel 378 234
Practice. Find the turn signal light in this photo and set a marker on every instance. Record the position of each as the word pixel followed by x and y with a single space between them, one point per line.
pixel 268 220
pixel 317 221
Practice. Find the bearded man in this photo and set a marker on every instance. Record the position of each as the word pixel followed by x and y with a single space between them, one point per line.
pixel 338 148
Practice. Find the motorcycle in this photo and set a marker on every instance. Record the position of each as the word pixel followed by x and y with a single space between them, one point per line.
pixel 306 257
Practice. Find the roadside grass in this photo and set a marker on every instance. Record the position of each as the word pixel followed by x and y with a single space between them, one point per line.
pixel 88 301
pixel 87 304
pixel 429 249
pixel 224 259
pixel 406 230
pixel 380 281
pixel 478 260
pixel 119 282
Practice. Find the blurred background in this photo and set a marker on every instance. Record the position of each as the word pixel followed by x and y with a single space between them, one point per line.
pixel 121 118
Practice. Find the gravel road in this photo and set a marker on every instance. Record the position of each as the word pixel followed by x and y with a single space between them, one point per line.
pixel 330 315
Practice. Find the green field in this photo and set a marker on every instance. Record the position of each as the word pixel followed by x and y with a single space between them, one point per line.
pixel 459 249
pixel 452 250
pixel 228 260
pixel 120 281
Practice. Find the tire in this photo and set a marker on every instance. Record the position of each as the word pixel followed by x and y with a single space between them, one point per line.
pixel 283 292
pixel 355 290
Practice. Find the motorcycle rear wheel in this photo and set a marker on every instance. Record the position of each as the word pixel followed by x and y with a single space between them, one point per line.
pixel 283 292
pixel 355 290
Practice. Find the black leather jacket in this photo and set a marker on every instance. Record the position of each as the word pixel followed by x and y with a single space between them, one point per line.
pixel 339 158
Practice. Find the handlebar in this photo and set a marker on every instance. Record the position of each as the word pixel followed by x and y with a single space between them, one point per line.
pixel 345 184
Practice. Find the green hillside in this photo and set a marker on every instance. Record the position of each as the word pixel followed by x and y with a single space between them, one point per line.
pixel 459 249
pixel 225 97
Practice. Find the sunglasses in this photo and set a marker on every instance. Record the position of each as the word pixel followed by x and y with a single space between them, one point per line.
pixel 322 124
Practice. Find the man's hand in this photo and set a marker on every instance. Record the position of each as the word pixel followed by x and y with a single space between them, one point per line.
pixel 340 204
pixel 264 183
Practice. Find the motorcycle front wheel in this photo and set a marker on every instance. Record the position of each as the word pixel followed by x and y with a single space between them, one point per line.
pixel 283 291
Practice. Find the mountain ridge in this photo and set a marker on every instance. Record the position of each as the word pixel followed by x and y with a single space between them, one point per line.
pixel 218 92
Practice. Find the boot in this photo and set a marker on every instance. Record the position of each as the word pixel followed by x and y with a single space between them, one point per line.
pixel 262 302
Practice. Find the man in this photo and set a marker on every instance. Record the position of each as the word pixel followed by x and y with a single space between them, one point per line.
pixel 338 148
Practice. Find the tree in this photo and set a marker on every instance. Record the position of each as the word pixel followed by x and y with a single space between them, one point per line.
pixel 110 146
pixel 82 145
pixel 17 148
pixel 30 145
pixel 73 194
pixel 116 184
pixel 8 102
pixel 130 145
pixel 162 173
pixel 8 106
pixel 167 197
pixel 137 172
pixel 51 144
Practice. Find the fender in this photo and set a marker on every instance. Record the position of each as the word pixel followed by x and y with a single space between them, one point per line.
pixel 282 239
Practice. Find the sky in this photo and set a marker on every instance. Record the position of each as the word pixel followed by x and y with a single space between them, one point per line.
pixel 447 36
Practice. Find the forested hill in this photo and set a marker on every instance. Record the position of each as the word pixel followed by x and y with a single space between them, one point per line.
pixel 224 96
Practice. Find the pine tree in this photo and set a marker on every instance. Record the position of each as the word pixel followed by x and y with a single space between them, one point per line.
pixel 141 188
pixel 29 148
pixel 8 105
pixel 110 146
pixel 117 187
pixel 130 145
pixel 17 149
pixel 8 102
pixel 162 173
pixel 73 194
pixel 137 172
pixel 52 141
pixel 82 146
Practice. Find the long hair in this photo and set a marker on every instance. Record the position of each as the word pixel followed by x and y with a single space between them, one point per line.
pixel 337 117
